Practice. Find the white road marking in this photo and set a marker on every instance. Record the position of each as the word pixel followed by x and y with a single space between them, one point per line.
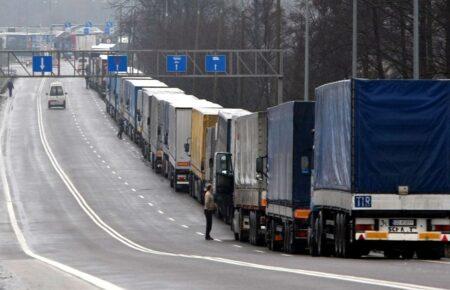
pixel 18 232
pixel 437 262
pixel 237 246
pixel 150 204
pixel 141 196
pixel 109 167
pixel 217 240
pixel 126 183
pixel 103 161
pixel 129 243
pixel 91 147
pixel 200 234
pixel 133 189
pixel 160 211
pixel 95 151
pixel 185 226
pixel 99 156
pixel 171 219
pixel 286 255
pixel 119 177
pixel 113 172
pixel 259 251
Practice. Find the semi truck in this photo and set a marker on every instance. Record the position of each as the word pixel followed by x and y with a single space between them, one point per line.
pixel 156 126
pixel 179 132
pixel 132 114
pixel 202 119
pixel 144 105
pixel 250 188
pixel 288 167
pixel 224 150
pixel 381 169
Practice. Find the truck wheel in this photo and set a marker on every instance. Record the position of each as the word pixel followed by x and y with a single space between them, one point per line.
pixel 391 254
pixel 235 225
pixel 320 242
pixel 287 244
pixel 252 236
pixel 430 252
pixel 337 236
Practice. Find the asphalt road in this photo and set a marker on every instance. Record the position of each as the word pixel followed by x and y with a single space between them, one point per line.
pixel 86 200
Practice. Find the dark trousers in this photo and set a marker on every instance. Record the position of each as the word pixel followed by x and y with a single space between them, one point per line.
pixel 208 215
pixel 10 92
pixel 119 134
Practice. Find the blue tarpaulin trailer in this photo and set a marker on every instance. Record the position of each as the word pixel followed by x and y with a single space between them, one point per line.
pixel 382 172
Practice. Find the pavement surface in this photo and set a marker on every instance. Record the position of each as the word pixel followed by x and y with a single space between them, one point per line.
pixel 88 201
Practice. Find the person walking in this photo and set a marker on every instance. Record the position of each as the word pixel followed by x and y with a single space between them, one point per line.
pixel 121 128
pixel 210 207
pixel 10 86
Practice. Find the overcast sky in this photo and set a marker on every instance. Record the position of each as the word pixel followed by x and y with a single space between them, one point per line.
pixel 44 12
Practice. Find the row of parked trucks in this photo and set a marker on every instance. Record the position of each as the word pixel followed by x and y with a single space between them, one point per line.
pixel 364 167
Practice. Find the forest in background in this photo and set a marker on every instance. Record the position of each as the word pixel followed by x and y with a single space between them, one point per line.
pixel 385 34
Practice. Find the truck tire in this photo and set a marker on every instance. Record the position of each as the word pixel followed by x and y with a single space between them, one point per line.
pixel 430 252
pixel 243 235
pixel 319 243
pixel 253 232
pixel 235 225
pixel 288 246
pixel 338 235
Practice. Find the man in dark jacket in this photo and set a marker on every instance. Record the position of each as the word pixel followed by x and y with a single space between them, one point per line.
pixel 10 86
pixel 121 128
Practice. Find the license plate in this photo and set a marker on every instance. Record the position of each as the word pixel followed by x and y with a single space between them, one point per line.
pixel 402 226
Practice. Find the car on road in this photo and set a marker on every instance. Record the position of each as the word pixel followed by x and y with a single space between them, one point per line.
pixel 57 96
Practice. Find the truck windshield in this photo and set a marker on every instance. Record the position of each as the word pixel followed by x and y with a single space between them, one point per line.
pixel 56 91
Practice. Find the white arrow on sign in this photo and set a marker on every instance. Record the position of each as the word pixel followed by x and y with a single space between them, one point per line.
pixel 215 66
pixel 176 66
pixel 117 67
pixel 42 64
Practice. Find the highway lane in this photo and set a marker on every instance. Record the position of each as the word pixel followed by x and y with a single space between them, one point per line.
pixel 124 192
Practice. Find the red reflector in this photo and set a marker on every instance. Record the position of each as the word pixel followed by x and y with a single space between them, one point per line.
pixel 442 228
pixel 361 238
pixel 301 234
pixel 444 239
pixel 363 228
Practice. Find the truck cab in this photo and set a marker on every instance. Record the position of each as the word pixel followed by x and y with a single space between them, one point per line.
pixel 56 97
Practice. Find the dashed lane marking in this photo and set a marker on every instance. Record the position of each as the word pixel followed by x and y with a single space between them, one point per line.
pixel 141 196
pixel 237 246
pixel 200 234
pixel 160 212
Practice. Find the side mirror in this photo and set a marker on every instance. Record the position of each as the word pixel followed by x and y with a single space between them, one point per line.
pixel 186 147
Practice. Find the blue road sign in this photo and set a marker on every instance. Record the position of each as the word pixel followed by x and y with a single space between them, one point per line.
pixel 117 63
pixel 42 63
pixel 176 63
pixel 86 30
pixel 216 63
